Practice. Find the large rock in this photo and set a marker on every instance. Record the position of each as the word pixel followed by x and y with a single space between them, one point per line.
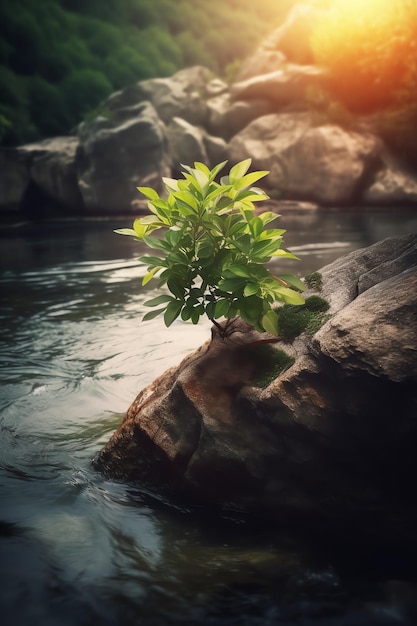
pixel 289 85
pixel 227 117
pixel 216 149
pixel 14 179
pixel 186 143
pixel 329 444
pixel 393 187
pixel 182 95
pixel 41 174
pixel 118 154
pixel 53 171
pixel 326 164
pixel 264 61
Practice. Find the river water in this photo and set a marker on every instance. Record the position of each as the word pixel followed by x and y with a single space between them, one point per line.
pixel 78 549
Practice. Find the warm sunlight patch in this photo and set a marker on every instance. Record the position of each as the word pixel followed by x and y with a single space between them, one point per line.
pixel 369 47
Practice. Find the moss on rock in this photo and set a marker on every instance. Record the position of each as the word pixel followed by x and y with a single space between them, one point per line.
pixel 314 281
pixel 268 363
pixel 294 320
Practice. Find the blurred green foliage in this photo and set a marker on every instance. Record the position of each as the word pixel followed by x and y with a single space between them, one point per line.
pixel 60 58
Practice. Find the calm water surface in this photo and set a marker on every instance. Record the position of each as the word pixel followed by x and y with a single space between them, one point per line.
pixel 78 549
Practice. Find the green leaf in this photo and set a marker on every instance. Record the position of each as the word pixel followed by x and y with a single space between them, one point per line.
pixel 210 306
pixel 148 277
pixel 202 180
pixel 238 270
pixel 289 296
pixel 284 254
pixel 231 284
pixel 195 316
pixel 216 170
pixel 238 226
pixel 249 179
pixel 126 231
pixel 205 250
pixel 151 314
pixel 158 300
pixel 154 242
pixel 173 237
pixel 140 229
pixel 256 227
pixel 251 307
pixel 270 322
pixel 251 289
pixel 187 200
pixel 267 217
pixel 243 243
pixel 163 212
pixel 186 313
pixel 149 193
pixel 149 220
pixel 159 204
pixel 264 248
pixel 152 260
pixel 249 195
pixel 171 184
pixel 221 308
pixel 176 287
pixel 203 168
pixel 172 311
pixel 224 205
pixel 239 170
pixel 216 192
pixel 292 280
pixel 178 258
pixel 273 233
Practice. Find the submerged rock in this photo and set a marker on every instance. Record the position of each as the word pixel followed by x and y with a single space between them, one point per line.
pixel 324 438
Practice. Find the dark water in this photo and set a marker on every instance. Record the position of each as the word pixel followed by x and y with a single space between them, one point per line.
pixel 77 549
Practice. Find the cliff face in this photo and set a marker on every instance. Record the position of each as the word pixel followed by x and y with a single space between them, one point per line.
pixel 329 442
pixel 146 130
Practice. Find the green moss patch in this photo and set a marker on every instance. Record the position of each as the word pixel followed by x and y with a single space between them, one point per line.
pixel 308 318
pixel 314 281
pixel 268 363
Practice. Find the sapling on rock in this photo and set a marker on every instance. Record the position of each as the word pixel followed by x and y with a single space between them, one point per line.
pixel 213 248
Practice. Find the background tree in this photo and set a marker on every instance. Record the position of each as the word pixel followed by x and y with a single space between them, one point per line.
pixel 58 58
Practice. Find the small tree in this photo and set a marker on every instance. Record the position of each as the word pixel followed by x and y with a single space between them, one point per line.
pixel 213 250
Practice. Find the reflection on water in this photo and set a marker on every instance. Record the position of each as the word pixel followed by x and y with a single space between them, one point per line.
pixel 78 549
